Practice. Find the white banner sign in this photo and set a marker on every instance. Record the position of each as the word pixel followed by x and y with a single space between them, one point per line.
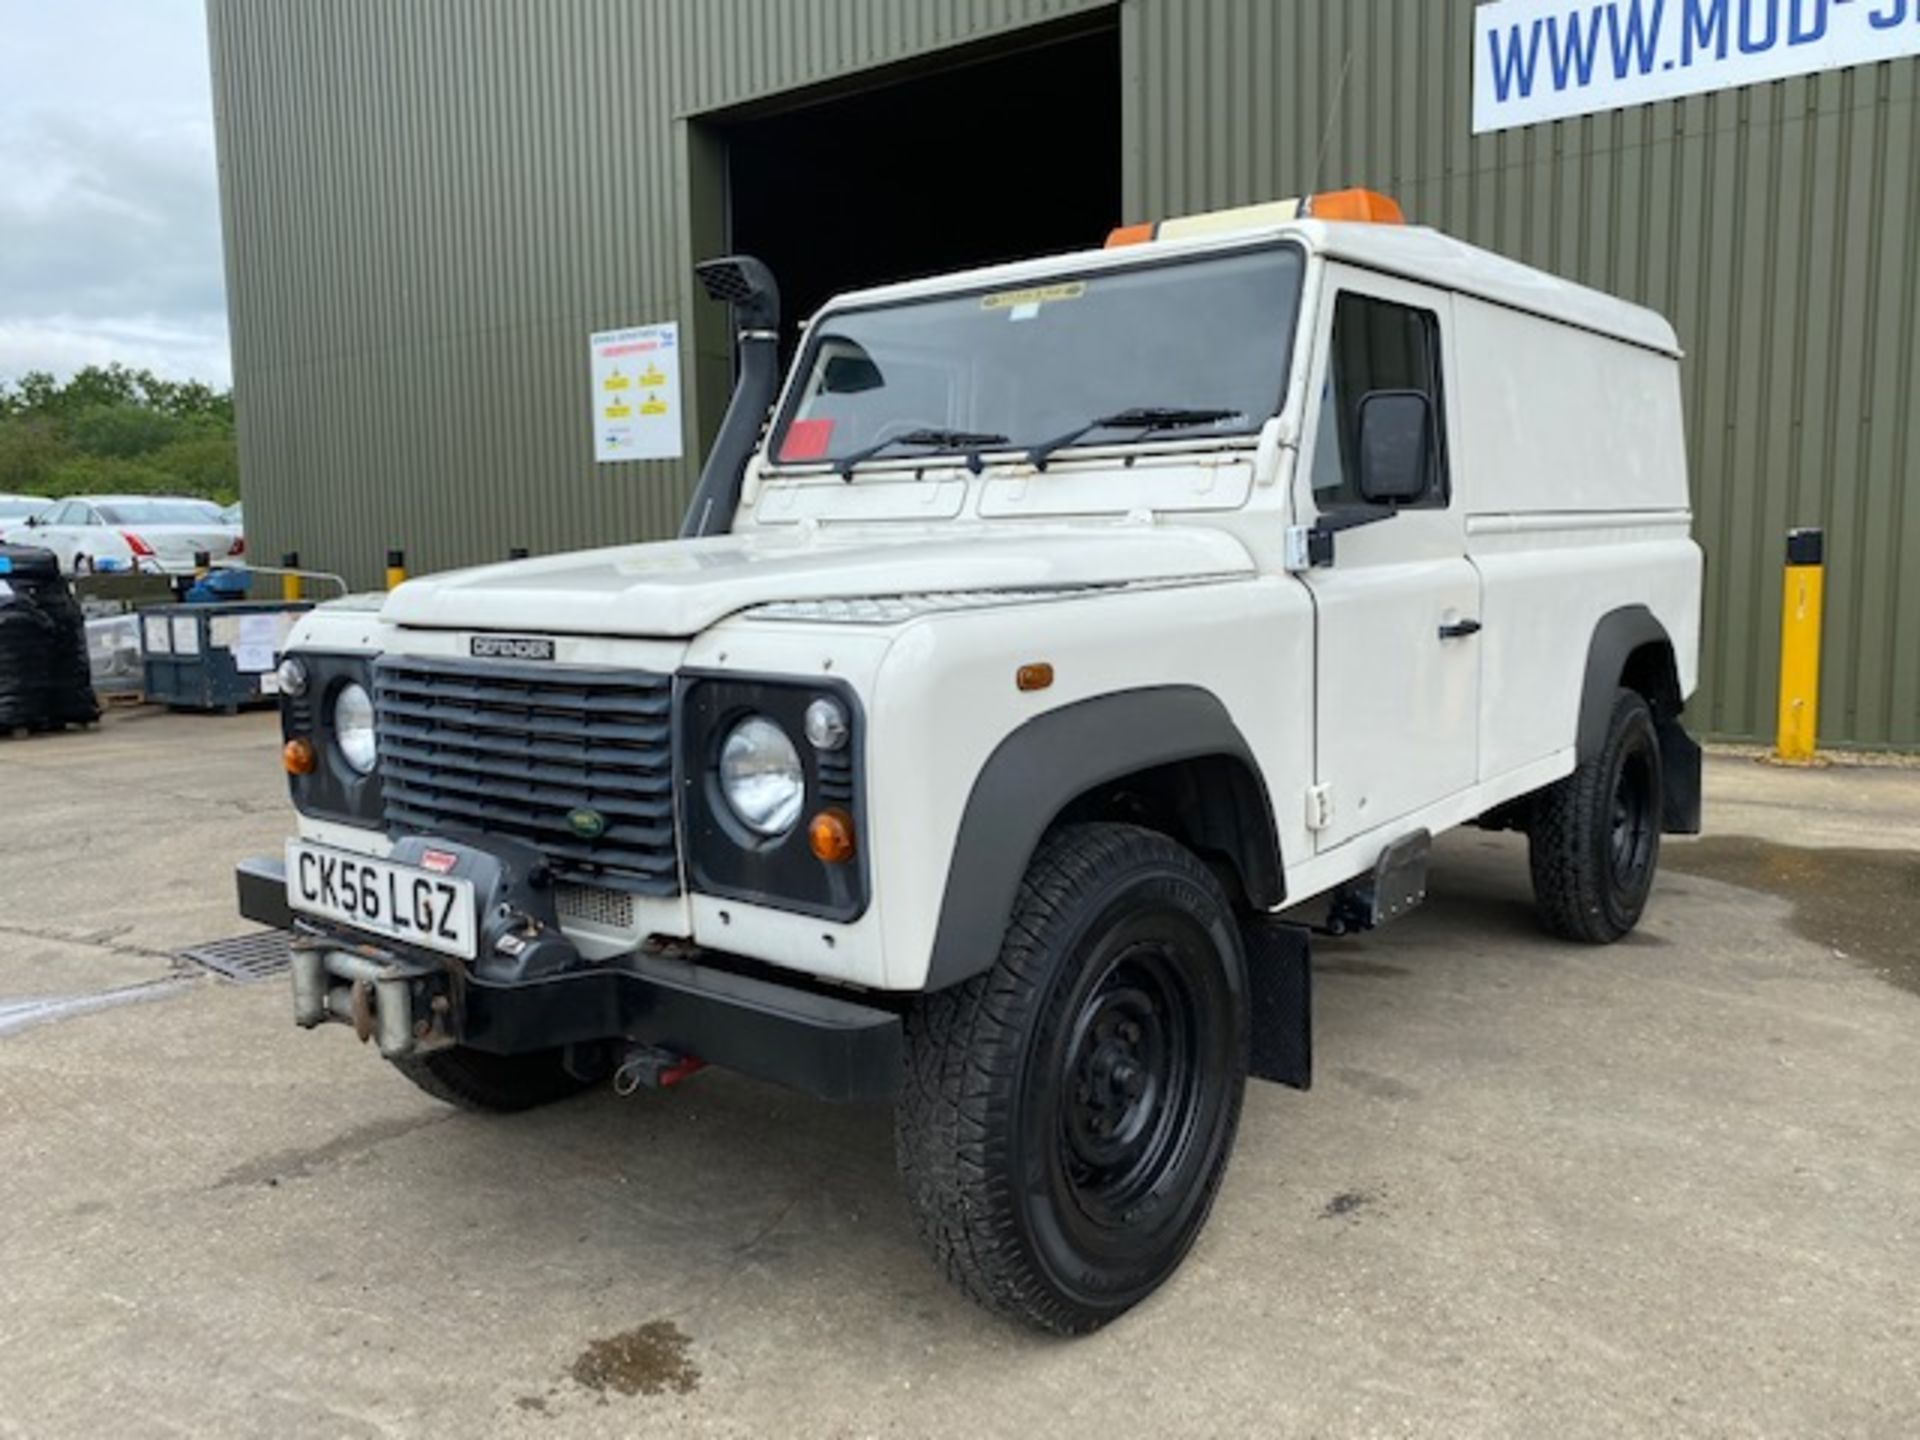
pixel 636 393
pixel 1536 60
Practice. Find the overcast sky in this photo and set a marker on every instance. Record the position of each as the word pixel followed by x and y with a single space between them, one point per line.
pixel 109 215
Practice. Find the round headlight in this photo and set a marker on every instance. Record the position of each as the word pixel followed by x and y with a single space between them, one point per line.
pixel 760 776
pixel 292 675
pixel 353 727
pixel 826 724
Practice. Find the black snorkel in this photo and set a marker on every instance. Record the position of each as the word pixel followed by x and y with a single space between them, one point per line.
pixel 748 286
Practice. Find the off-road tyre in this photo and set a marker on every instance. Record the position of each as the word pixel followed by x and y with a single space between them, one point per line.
pixel 1066 1118
pixel 1594 837
pixel 494 1084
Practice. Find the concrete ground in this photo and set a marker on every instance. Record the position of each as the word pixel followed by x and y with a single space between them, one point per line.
pixel 1671 1187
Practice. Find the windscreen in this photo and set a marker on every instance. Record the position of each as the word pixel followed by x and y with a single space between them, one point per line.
pixel 161 512
pixel 1024 366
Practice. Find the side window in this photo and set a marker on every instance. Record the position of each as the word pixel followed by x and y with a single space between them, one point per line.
pixel 71 513
pixel 1376 345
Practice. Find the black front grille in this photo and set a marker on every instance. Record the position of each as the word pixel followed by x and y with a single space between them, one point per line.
pixel 520 750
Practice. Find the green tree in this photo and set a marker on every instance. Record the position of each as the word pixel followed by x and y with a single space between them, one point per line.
pixel 113 428
pixel 38 393
pixel 30 448
pixel 122 430
pixel 204 464
pixel 109 475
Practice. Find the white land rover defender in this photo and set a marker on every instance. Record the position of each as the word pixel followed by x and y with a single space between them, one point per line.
pixel 1054 628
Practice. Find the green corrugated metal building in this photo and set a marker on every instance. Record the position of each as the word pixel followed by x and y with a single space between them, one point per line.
pixel 430 205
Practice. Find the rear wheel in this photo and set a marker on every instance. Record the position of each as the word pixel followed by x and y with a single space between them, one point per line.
pixel 476 1080
pixel 1594 837
pixel 1067 1117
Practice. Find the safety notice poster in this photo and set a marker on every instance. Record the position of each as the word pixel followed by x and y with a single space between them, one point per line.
pixel 636 393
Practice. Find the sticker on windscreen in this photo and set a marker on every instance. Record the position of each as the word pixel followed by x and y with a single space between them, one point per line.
pixel 1025 304
pixel 806 440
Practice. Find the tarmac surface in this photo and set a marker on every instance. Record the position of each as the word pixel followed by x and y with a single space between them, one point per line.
pixel 1667 1188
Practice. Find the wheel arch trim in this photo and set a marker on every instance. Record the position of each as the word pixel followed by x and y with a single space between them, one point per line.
pixel 1039 769
pixel 1618 638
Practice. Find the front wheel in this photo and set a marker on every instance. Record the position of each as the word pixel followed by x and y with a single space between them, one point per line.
pixel 1066 1117
pixel 1594 837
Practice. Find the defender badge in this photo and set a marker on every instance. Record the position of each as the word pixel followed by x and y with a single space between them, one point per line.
pixel 587 824
pixel 510 647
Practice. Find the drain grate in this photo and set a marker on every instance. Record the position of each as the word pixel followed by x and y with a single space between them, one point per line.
pixel 245 958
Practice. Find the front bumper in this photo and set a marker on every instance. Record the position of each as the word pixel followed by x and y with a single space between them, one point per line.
pixel 696 1003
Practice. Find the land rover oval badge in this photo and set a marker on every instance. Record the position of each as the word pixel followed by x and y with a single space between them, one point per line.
pixel 587 824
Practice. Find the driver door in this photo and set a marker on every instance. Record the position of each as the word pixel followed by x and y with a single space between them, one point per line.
pixel 1397 667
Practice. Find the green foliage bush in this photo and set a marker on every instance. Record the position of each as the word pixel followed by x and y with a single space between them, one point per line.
pixel 121 430
pixel 200 464
pixel 112 430
pixel 109 475
pixel 30 447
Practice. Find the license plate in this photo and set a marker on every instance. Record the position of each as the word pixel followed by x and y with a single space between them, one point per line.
pixel 397 902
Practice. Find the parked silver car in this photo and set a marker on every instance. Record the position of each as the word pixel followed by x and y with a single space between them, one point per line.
pixel 149 534
pixel 15 510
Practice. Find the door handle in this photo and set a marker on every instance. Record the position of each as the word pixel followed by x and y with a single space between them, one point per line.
pixel 1460 630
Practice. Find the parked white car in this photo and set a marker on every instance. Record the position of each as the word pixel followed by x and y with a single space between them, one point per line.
pixel 1058 628
pixel 15 510
pixel 149 534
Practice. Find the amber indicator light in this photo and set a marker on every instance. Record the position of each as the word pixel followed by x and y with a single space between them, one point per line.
pixel 1034 677
pixel 830 836
pixel 297 756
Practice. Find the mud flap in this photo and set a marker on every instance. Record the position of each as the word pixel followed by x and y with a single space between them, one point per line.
pixel 1680 768
pixel 1279 1001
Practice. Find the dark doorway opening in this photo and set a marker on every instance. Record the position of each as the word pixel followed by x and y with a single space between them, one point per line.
pixel 988 156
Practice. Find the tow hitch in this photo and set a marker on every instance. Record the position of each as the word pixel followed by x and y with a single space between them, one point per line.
pixel 655 1067
pixel 403 1004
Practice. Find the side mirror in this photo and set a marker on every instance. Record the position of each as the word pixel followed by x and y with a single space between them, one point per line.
pixel 33 522
pixel 1396 446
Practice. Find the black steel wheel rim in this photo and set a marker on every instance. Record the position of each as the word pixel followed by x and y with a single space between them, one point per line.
pixel 1137 1083
pixel 1632 832
pixel 1133 1076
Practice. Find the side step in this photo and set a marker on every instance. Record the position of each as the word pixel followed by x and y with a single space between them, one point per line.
pixel 1397 884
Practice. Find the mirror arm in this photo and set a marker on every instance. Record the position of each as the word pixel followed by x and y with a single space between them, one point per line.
pixel 1352 517
pixel 1310 547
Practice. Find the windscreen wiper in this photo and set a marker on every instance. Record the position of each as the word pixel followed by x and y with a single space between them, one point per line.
pixel 932 439
pixel 1143 418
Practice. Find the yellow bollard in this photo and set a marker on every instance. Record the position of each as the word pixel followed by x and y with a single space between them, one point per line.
pixel 396 569
pixel 290 584
pixel 1800 647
